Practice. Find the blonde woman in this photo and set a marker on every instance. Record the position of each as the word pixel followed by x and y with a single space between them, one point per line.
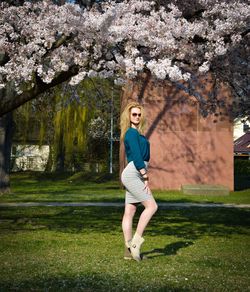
pixel 135 178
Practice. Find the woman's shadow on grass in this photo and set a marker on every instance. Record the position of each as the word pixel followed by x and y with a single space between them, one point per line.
pixel 169 249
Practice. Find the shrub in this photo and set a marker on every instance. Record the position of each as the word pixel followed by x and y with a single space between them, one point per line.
pixel 242 167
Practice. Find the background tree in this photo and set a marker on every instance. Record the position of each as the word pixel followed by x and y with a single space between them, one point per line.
pixel 6 124
pixel 73 121
pixel 106 106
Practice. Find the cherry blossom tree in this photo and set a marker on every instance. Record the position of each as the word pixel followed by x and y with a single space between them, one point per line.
pixel 43 44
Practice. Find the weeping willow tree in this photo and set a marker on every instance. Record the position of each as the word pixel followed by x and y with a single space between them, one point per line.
pixel 73 121
pixel 70 134
pixel 58 119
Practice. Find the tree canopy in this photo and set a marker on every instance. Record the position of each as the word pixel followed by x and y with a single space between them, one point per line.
pixel 43 44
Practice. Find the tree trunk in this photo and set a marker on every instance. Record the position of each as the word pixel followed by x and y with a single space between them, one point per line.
pixel 60 156
pixel 6 132
pixel 49 164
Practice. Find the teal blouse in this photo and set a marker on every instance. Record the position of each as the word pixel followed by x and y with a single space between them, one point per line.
pixel 137 148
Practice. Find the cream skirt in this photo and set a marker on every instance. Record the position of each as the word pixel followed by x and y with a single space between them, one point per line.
pixel 134 184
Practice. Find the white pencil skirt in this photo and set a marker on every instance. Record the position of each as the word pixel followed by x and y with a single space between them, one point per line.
pixel 134 184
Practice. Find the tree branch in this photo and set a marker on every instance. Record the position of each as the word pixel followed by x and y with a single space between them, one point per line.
pixel 10 100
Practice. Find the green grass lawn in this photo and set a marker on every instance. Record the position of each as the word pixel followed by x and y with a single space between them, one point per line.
pixel 81 249
pixel 39 187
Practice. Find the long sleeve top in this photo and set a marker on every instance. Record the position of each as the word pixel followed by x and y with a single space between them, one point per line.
pixel 137 148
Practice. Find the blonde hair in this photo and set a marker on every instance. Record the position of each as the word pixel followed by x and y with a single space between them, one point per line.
pixel 125 118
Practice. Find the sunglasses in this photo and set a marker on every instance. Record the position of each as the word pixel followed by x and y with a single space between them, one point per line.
pixel 135 115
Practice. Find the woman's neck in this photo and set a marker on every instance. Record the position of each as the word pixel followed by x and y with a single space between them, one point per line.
pixel 134 126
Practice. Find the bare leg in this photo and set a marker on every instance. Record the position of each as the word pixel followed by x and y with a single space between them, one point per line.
pixel 127 221
pixel 137 240
pixel 150 208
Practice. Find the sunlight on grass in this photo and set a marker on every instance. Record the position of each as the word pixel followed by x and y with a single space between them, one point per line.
pixel 42 187
pixel 81 249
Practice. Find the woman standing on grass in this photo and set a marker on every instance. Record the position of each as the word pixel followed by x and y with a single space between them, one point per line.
pixel 135 178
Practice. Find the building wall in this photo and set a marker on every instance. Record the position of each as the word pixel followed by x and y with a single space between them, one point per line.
pixel 239 128
pixel 186 148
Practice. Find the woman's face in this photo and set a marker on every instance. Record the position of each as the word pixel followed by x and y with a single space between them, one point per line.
pixel 135 116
